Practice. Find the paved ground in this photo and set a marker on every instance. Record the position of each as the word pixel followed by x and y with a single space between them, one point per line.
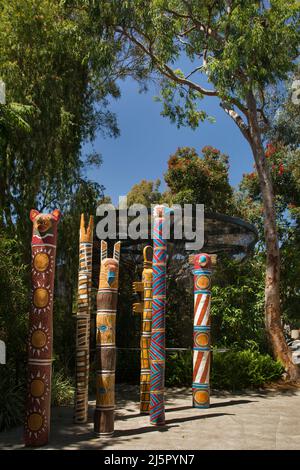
pixel 256 420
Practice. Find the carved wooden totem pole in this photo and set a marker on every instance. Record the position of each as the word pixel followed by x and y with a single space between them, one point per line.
pixel 201 347
pixel 157 344
pixel 145 308
pixel 38 399
pixel 107 298
pixel 83 319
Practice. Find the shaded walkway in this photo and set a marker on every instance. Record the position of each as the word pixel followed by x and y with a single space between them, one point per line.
pixel 257 420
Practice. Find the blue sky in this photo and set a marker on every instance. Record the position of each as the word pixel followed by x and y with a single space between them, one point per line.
pixel 147 140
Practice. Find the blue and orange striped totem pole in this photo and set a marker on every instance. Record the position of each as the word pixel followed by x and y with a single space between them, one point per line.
pixel 201 344
pixel 157 344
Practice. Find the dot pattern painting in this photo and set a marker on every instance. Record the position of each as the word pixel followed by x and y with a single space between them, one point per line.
pixel 43 250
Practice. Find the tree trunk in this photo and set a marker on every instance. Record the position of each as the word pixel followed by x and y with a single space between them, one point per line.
pixel 273 320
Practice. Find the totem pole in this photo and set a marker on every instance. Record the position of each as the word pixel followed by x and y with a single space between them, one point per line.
pixel 105 342
pixel 157 344
pixel 38 399
pixel 83 321
pixel 201 344
pixel 145 308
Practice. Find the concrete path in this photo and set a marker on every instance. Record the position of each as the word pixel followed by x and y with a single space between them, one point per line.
pixel 256 420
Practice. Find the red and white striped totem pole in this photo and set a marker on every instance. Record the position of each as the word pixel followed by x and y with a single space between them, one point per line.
pixel 43 249
pixel 201 347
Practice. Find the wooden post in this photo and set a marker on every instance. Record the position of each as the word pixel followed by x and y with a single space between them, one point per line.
pixel 201 343
pixel 157 345
pixel 83 321
pixel 107 298
pixel 38 400
pixel 145 308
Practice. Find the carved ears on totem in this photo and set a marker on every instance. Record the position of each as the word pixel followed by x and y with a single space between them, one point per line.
pixel 117 249
pixel 55 214
pixel 103 250
pixel 33 214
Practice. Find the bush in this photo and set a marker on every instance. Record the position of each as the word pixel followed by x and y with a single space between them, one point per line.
pixel 236 370
pixel 62 390
pixel 179 369
pixel 11 402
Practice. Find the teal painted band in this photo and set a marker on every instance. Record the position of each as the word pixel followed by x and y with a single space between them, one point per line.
pixel 202 386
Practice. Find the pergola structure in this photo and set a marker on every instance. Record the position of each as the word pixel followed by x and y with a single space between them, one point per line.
pixel 222 234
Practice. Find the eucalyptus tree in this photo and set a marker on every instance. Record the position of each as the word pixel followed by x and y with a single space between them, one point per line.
pixel 233 51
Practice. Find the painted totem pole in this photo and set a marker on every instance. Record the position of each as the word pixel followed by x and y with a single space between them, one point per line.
pixel 38 400
pixel 157 344
pixel 83 319
pixel 107 298
pixel 201 345
pixel 145 308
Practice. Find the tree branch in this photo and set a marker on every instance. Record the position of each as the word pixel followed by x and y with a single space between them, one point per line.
pixel 237 119
pixel 164 68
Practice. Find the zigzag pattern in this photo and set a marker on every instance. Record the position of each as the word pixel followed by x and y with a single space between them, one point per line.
pixel 156 405
pixel 158 305
pixel 157 346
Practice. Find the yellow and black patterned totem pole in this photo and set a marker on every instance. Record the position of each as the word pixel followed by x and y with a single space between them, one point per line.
pixel 83 319
pixel 38 400
pixel 107 298
pixel 145 308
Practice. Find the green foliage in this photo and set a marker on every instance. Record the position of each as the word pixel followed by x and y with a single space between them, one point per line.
pixel 62 391
pixel 179 370
pixel 12 399
pixel 145 192
pixel 193 179
pixel 236 370
pixel 237 308
pixel 55 73
pixel 13 300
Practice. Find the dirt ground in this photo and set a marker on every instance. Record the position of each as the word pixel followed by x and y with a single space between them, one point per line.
pixel 255 420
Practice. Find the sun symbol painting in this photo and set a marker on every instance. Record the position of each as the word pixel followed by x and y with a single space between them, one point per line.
pixel 43 249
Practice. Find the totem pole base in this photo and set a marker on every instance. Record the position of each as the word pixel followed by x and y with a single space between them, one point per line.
pixel 104 423
pixel 201 396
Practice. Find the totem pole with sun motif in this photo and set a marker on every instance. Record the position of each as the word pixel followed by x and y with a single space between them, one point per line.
pixel 107 298
pixel 201 344
pixel 83 319
pixel 38 400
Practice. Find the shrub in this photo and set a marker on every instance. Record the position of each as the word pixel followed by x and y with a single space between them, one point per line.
pixel 11 402
pixel 62 390
pixel 179 369
pixel 236 370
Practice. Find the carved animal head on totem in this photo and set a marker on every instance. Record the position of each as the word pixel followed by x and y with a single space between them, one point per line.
pixel 44 223
pixel 202 261
pixel 86 233
pixel 109 270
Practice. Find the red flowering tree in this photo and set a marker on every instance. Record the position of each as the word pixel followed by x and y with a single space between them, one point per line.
pixel 201 179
